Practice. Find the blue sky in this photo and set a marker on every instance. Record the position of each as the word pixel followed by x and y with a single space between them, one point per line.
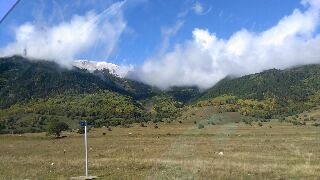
pixel 146 19
pixel 169 43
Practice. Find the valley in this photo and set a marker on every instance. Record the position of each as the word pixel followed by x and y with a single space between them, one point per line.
pixel 227 150
pixel 159 90
pixel 259 126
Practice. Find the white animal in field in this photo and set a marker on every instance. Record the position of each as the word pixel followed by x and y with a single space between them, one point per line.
pixel 220 153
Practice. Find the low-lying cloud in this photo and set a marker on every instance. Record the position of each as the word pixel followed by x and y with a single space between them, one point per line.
pixel 63 41
pixel 206 59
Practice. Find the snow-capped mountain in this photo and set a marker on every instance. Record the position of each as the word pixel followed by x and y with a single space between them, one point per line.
pixel 114 69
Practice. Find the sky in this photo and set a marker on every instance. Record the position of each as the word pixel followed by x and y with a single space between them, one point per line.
pixel 170 43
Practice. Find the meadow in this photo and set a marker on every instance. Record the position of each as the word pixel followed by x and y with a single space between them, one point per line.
pixel 223 149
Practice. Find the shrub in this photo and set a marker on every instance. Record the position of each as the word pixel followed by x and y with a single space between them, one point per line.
pixel 109 129
pixel 260 124
pixel 248 122
pixel 103 133
pixel 200 126
pixel 316 124
pixel 35 130
pixel 156 126
pixel 55 128
pixel 142 125
pixel 126 125
pixel 180 122
pixel 81 130
pixel 297 123
pixel 195 122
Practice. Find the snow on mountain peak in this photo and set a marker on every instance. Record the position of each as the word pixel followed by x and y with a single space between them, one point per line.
pixel 91 66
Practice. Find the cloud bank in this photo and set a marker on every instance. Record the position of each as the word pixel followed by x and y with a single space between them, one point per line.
pixel 206 59
pixel 62 42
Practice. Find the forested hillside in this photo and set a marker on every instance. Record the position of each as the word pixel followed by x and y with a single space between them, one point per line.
pixel 33 93
pixel 103 108
pixel 184 94
pixel 22 80
pixel 269 93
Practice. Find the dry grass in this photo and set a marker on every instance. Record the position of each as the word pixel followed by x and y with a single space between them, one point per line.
pixel 174 151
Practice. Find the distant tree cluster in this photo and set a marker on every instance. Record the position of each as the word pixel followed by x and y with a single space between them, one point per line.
pixel 103 108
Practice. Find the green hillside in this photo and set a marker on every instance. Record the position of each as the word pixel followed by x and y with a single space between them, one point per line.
pixel 33 93
pixel 183 94
pixel 22 80
pixel 268 94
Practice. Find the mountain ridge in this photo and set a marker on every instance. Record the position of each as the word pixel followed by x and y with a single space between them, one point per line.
pixel 31 91
pixel 34 93
pixel 91 66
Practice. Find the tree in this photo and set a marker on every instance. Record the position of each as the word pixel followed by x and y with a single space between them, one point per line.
pixel 55 128
pixel 2 127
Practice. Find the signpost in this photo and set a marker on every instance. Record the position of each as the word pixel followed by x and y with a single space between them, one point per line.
pixel 85 124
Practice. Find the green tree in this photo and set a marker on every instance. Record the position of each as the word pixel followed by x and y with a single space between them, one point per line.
pixel 55 128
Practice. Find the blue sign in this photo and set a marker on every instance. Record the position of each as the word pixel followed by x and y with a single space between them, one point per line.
pixel 83 123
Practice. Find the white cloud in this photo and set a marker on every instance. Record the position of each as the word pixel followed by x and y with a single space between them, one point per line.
pixel 62 42
pixel 198 8
pixel 206 59
pixel 167 33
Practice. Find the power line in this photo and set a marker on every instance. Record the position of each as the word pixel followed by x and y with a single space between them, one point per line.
pixel 4 17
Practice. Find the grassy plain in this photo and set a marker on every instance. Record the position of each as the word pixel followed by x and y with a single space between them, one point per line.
pixel 227 150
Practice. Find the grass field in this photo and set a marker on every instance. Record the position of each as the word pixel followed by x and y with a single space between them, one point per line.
pixel 227 150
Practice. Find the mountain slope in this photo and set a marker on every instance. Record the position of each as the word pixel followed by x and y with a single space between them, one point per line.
pixel 34 93
pixel 268 94
pixel 296 83
pixel 22 80
pixel 184 94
